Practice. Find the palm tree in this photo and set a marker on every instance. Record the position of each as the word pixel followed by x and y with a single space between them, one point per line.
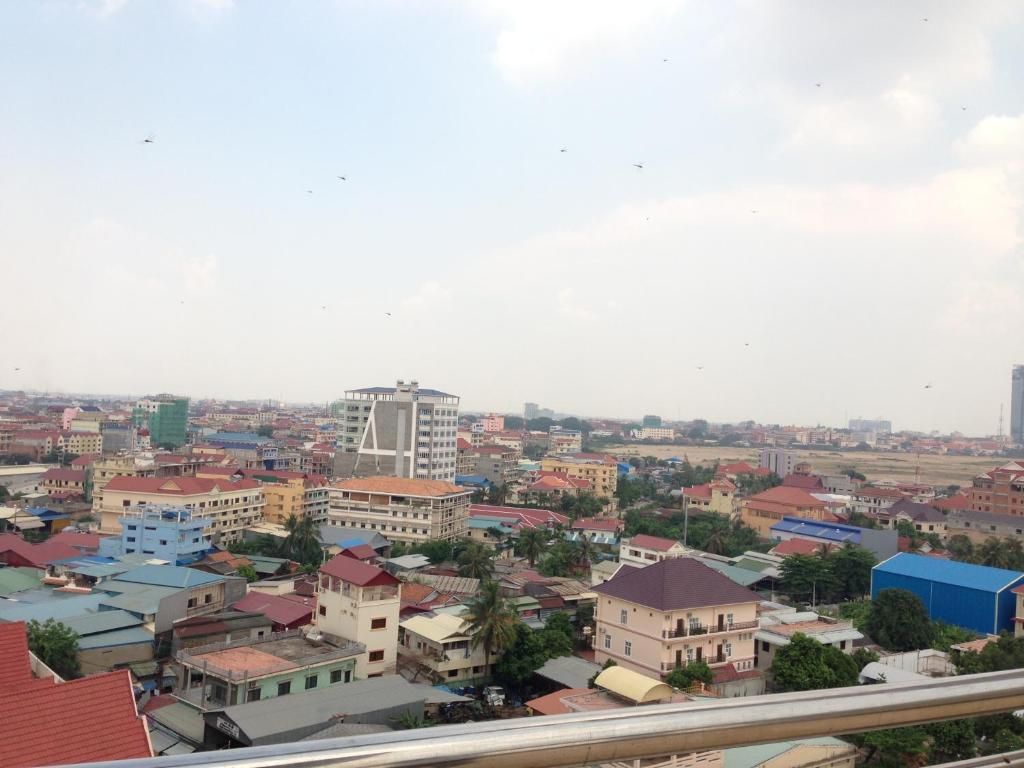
pixel 303 543
pixel 584 554
pixel 476 561
pixel 717 541
pixel 492 621
pixel 994 553
pixel 532 543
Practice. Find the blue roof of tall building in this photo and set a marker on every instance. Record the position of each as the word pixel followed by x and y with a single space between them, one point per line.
pixel 949 572
pixel 829 531
pixel 391 391
pixel 169 576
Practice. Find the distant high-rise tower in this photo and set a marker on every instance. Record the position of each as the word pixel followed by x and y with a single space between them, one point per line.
pixel 1017 404
pixel 403 431
pixel 530 411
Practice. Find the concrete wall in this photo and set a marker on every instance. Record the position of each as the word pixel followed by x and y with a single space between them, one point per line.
pixel 104 659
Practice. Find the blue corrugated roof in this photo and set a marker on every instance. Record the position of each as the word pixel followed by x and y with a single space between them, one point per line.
pixel 130 636
pixel 169 576
pixel 828 531
pixel 949 572
pixel 102 622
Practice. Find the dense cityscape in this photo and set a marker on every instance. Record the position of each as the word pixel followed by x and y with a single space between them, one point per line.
pixel 231 574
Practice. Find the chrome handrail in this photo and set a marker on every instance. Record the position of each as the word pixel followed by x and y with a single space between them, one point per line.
pixel 633 732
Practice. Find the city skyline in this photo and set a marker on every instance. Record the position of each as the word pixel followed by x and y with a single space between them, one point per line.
pixel 787 213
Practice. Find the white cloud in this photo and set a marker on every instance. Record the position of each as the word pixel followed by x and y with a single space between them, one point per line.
pixel 997 139
pixel 545 38
pixel 200 275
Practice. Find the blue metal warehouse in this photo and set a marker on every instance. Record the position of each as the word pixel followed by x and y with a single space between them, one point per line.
pixel 972 596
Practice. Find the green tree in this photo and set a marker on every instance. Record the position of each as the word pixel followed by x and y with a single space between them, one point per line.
pixel 851 572
pixel 492 621
pixel 694 672
pixel 952 740
pixel 56 645
pixel 476 561
pixel 1003 553
pixel 1005 653
pixel 525 655
pixel 806 578
pixel 896 747
pixel 961 548
pixel 265 430
pixel 531 544
pixel 856 611
pixel 1008 741
pixel 853 474
pixel 944 635
pixel 807 665
pixel 557 636
pixel 863 657
pixel 435 550
pixel 898 621
pixel 303 543
pixel 248 573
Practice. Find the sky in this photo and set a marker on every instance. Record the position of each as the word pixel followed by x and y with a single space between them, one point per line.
pixel 828 216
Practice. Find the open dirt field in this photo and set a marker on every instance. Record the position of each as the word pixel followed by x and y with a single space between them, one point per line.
pixel 900 467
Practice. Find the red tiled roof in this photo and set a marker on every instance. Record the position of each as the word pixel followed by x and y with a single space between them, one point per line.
pixel 14 666
pixel 67 475
pixel 360 552
pixel 527 518
pixel 177 486
pixel 796 547
pixel 552 703
pixel 401 486
pixel 556 482
pixel 676 584
pixel 790 497
pixel 738 468
pixel 39 555
pixel 702 491
pixel 356 572
pixel 80 540
pixel 276 608
pixel 597 524
pixel 958 501
pixel 807 482
pixel 728 674
pixel 80 721
pixel 881 493
pixel 652 542
pixel 413 593
pixel 463 444
pixel 84 460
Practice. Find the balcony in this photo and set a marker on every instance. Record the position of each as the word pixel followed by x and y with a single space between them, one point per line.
pixel 704 629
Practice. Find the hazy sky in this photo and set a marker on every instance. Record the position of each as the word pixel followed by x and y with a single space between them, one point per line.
pixel 885 252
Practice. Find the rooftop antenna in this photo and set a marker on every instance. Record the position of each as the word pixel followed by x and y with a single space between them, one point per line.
pixel 1000 433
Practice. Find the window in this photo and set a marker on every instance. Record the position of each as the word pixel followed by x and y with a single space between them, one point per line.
pixel 377 655
pixel 607 641
pixel 842 645
pixel 628 648
pixel 207 598
pixel 348 675
pixel 253 694
pixel 623 616
pixel 283 689
pixel 764 646
pixel 192 602
pixel 322 610
pixel 378 623
pixel 335 676
pixel 728 650
pixel 311 681
pixel 689 654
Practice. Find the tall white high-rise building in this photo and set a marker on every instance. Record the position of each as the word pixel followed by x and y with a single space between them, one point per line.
pixel 1017 404
pixel 404 431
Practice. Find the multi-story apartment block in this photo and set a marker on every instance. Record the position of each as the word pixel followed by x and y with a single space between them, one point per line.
pixel 654 433
pixel 778 627
pixel 763 510
pixel 291 493
pixel 227 507
pixel 564 441
pixel 779 460
pixel 718 496
pixel 655 619
pixel 999 491
pixel 493 422
pixel 642 550
pixel 166 416
pixel 404 431
pixel 441 644
pixel 402 509
pixel 360 602
pixel 874 501
pixel 1017 404
pixel 80 443
pixel 602 471
pixel 60 483
pixel 498 464
pixel 166 533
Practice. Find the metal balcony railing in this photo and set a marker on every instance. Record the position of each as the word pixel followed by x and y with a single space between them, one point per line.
pixel 639 732
pixel 708 629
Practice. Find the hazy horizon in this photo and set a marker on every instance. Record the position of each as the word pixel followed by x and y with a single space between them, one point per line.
pixel 827 219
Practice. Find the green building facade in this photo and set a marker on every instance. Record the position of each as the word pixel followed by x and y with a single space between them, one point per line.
pixel 167 423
